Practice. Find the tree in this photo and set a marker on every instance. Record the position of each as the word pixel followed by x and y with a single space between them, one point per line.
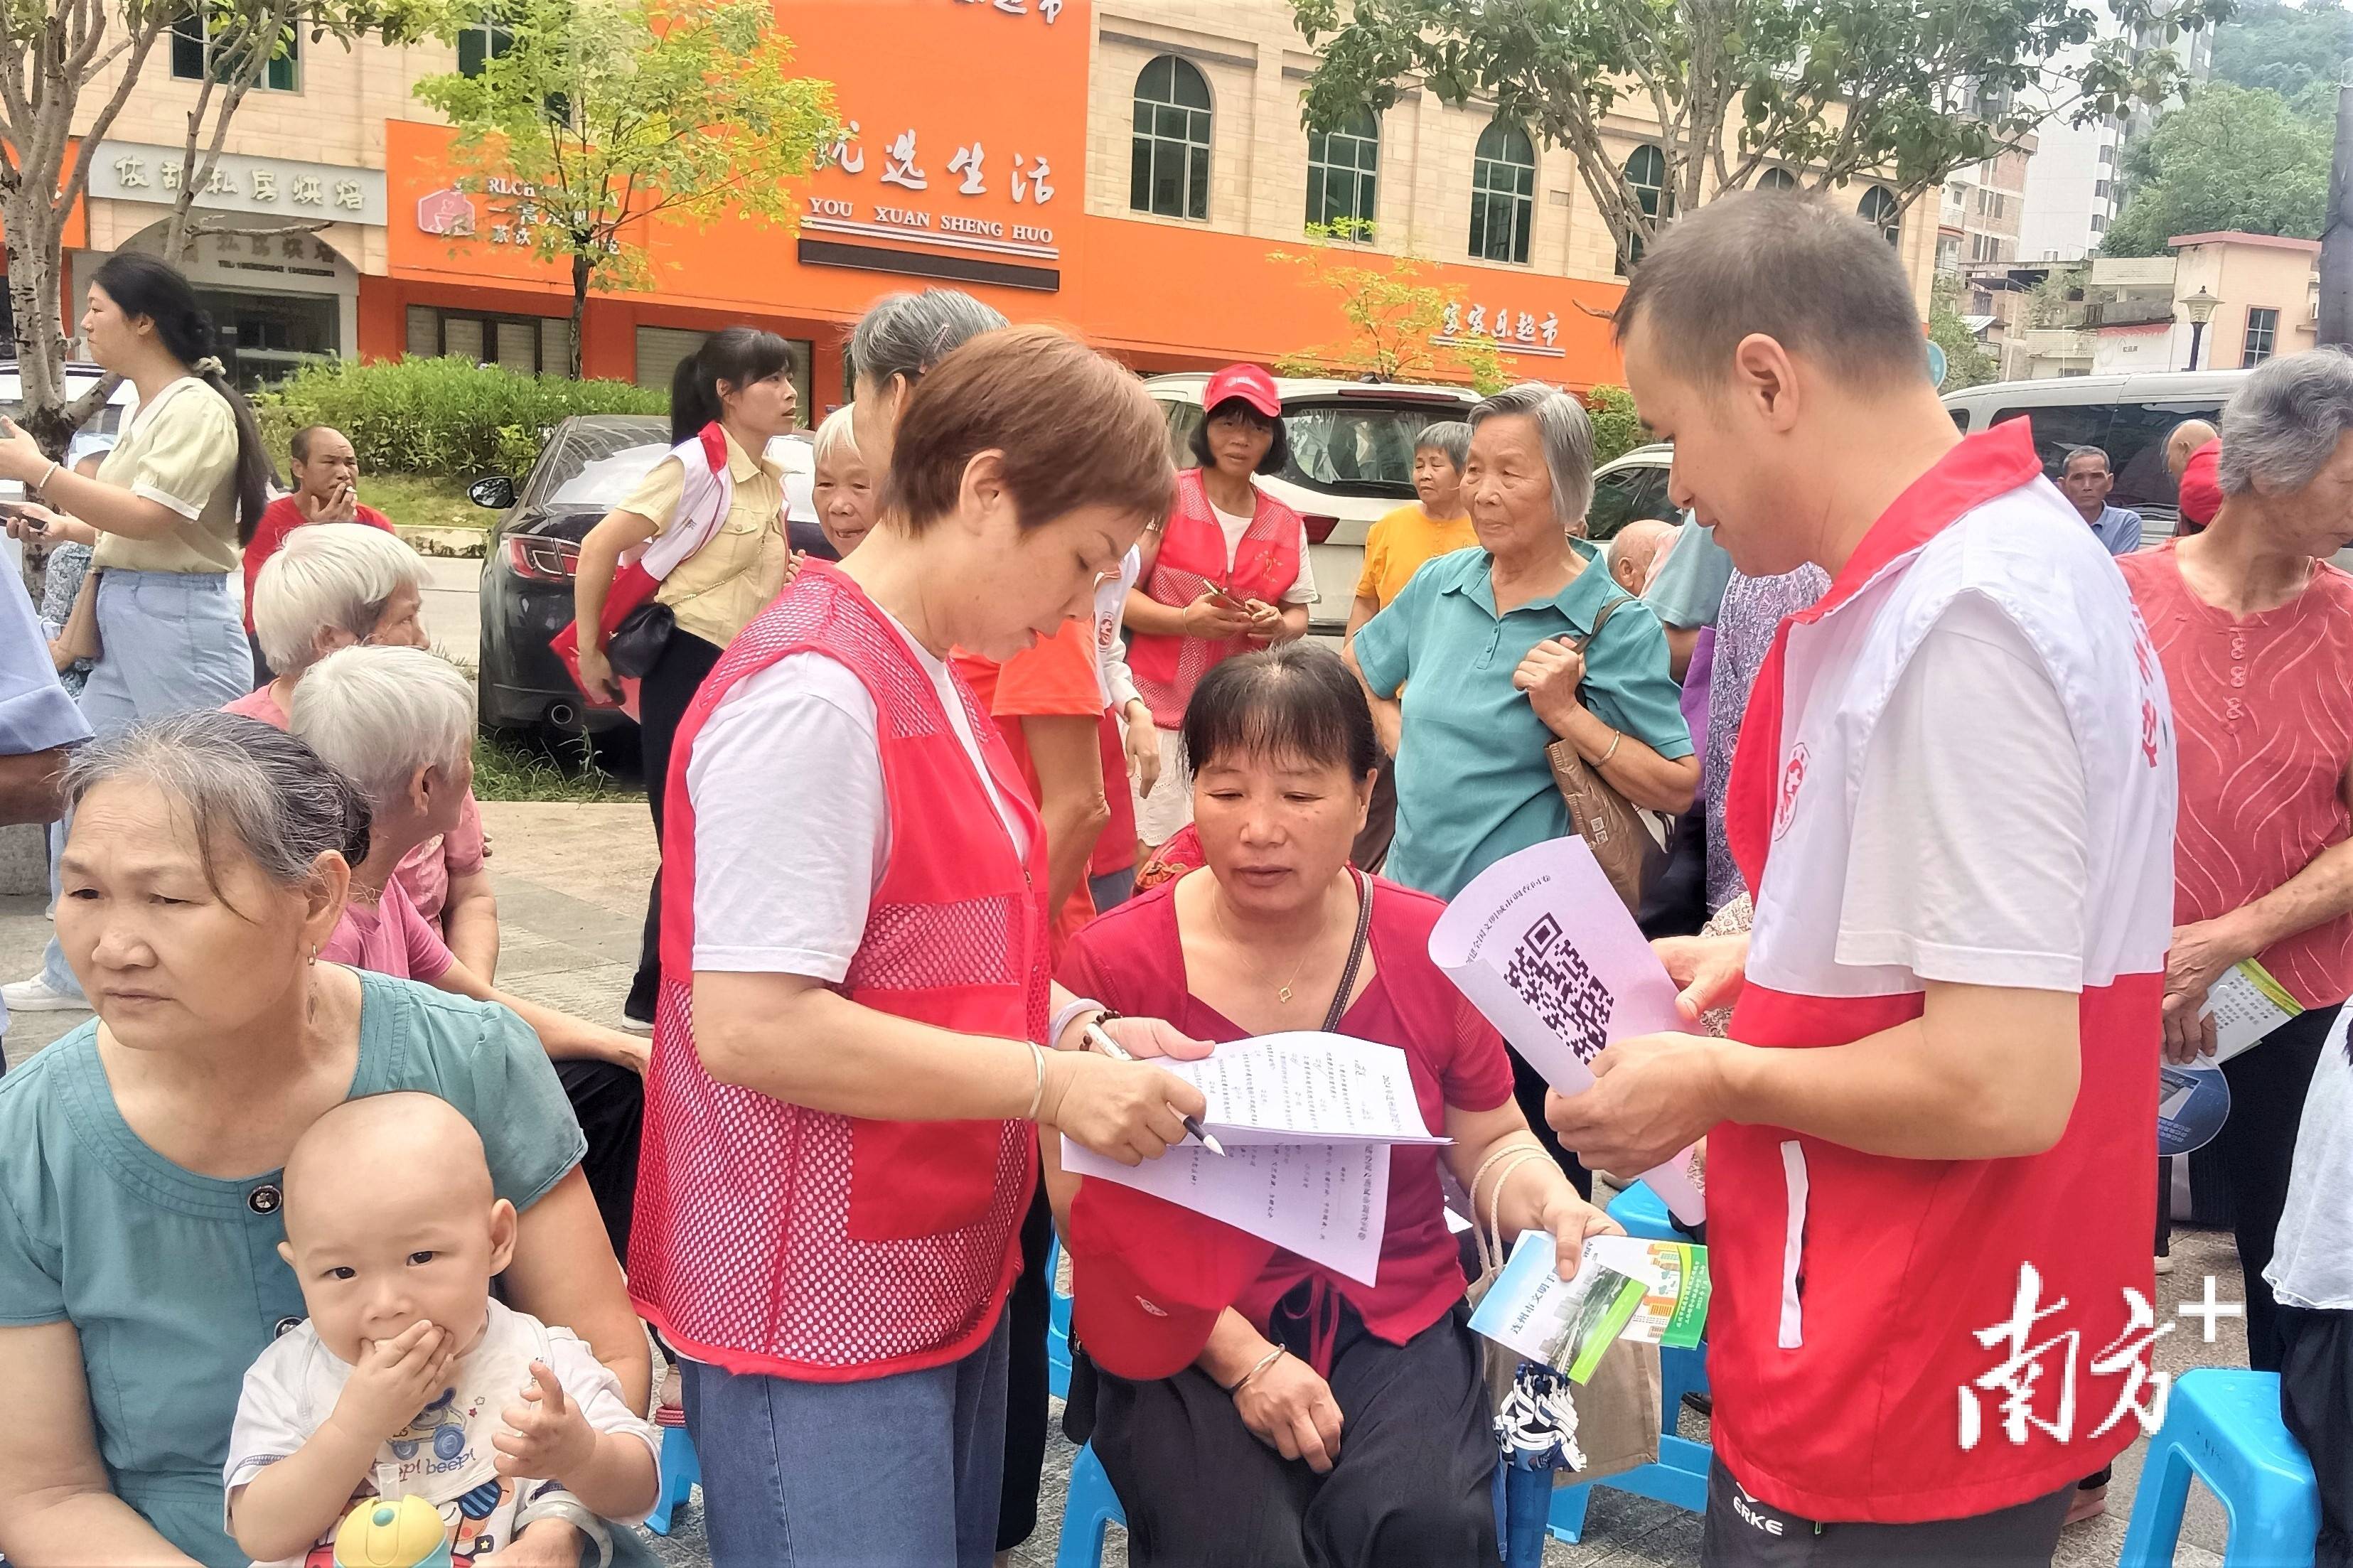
pixel 602 116
pixel 54 61
pixel 2287 49
pixel 1617 428
pixel 1830 90
pixel 1967 362
pixel 1393 313
pixel 2230 158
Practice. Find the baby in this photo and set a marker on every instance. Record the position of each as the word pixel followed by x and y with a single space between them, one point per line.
pixel 408 1379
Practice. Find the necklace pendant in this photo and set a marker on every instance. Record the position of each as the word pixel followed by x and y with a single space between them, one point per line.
pixel 1283 994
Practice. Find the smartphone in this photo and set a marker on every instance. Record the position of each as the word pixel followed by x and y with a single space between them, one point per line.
pixel 10 509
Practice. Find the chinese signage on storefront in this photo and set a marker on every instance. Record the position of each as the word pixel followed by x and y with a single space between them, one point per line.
pixel 939 207
pixel 281 187
pixel 1518 332
pixel 1050 9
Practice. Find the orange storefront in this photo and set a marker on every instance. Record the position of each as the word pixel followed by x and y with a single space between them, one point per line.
pixel 968 169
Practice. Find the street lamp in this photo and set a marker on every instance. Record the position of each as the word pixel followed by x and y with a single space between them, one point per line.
pixel 2201 306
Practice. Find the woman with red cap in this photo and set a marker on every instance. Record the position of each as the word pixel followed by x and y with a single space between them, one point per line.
pixel 1255 1406
pixel 1228 572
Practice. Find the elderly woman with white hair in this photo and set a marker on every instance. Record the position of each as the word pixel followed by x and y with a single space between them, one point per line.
pixel 2254 628
pixel 841 490
pixel 1491 654
pixel 399 724
pixel 336 585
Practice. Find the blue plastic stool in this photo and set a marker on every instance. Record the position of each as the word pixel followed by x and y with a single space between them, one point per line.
pixel 1680 1474
pixel 2224 1427
pixel 1089 1511
pixel 679 1472
pixel 1058 1325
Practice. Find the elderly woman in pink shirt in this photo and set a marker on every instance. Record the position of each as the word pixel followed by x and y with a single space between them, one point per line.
pixel 332 585
pixel 398 722
pixel 2254 627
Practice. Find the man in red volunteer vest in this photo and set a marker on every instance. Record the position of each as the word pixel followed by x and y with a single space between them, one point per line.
pixel 1929 1132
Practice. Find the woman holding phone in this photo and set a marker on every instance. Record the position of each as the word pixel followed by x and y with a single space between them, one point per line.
pixel 1226 573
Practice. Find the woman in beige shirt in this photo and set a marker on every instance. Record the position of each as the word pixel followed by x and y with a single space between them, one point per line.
pixel 170 505
pixel 741 380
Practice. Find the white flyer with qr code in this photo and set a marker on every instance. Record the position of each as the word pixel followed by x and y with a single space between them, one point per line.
pixel 1542 946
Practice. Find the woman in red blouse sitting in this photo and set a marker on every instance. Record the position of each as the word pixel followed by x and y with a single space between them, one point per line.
pixel 1312 1419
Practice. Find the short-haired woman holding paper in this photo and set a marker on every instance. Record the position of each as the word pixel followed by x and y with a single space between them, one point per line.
pixel 1329 1420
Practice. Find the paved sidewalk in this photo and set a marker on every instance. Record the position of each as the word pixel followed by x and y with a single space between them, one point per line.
pixel 571 884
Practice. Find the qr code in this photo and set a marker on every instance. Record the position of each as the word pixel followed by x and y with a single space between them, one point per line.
pixel 1549 974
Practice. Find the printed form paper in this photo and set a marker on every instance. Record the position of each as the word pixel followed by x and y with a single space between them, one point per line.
pixel 1542 946
pixel 1326 1202
pixel 2246 1004
pixel 1306 1087
pixel 1307 1119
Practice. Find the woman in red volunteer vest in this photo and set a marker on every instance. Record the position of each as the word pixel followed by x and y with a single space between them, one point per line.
pixel 848 1079
pixel 1226 573
pixel 727 401
pixel 1264 1408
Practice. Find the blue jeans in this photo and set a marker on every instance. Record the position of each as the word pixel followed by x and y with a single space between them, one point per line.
pixel 169 642
pixel 901 1471
pixel 1111 890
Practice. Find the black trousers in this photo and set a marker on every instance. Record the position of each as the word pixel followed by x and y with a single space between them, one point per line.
pixel 2317 1402
pixel 663 698
pixel 1371 849
pixel 2255 1150
pixel 610 1102
pixel 1413 1485
pixel 1027 1392
pixel 1741 1533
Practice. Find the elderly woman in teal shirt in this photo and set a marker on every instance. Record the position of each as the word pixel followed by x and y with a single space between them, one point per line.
pixel 1471 678
pixel 140 1155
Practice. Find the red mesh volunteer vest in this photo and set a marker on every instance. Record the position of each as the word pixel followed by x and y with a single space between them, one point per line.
pixel 775 1239
pixel 1192 561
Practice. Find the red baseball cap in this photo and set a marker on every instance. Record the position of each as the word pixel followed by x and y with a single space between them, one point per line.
pixel 2202 484
pixel 1249 383
pixel 1148 1279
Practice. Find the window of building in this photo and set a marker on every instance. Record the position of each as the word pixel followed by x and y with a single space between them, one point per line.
pixel 2099 222
pixel 1341 168
pixel 2263 331
pixel 1169 172
pixel 1881 210
pixel 1502 193
pixel 2108 153
pixel 481 43
pixel 1981 303
pixel 2100 189
pixel 1776 179
pixel 532 345
pixel 1646 173
pixel 194 52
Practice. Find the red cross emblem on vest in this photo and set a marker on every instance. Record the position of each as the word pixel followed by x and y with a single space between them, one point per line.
pixel 1793 778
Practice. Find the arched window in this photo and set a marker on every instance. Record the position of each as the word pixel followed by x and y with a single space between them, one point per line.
pixel 1342 166
pixel 1646 173
pixel 1776 179
pixel 1169 173
pixel 1881 210
pixel 1502 193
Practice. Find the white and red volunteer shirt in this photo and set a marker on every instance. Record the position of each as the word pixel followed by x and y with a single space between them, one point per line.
pixel 1958 767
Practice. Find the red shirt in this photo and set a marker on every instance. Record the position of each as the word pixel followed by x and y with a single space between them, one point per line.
pixel 1056 679
pixel 279 519
pixel 1132 960
pixel 2263 715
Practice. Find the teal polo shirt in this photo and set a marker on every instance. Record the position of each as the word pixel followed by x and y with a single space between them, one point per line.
pixel 1472 781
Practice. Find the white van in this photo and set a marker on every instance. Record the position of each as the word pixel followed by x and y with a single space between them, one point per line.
pixel 2126 417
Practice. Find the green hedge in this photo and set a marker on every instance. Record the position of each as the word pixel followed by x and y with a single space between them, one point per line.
pixel 441 415
pixel 1617 429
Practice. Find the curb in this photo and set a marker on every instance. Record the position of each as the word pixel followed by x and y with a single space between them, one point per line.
pixel 466 544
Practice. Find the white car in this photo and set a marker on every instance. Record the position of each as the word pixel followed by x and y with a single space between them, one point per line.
pixel 79 378
pixel 1351 461
pixel 1629 486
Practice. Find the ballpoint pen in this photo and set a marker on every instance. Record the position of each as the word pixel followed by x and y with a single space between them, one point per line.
pixel 1095 1035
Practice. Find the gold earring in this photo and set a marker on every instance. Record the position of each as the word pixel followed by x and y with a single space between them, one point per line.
pixel 314 952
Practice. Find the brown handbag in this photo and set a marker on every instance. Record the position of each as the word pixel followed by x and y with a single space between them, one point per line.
pixel 1611 824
